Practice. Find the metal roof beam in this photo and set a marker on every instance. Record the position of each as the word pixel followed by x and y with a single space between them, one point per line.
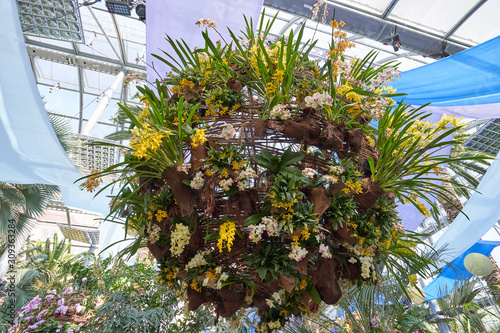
pixel 290 23
pixel 77 118
pixel 129 102
pixel 389 9
pixel 122 60
pixel 63 56
pixel 120 39
pixel 108 93
pixel 317 51
pixel 366 24
pixel 400 55
pixel 354 38
pixel 464 18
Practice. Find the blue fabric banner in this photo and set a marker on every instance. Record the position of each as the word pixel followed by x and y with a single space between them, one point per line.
pixel 469 78
pixel 455 272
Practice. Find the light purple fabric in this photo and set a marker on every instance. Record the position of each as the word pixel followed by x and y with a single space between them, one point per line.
pixel 483 111
pixel 177 19
pixel 409 214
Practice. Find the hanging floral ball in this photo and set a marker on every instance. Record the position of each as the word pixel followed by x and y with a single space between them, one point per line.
pixel 255 178
pixel 478 264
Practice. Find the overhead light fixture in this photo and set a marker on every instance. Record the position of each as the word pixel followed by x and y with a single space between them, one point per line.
pixel 395 41
pixel 124 7
pixel 119 7
pixel 140 10
pixel 55 19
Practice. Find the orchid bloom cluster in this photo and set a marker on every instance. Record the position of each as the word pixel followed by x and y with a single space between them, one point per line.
pixel 281 112
pixel 134 77
pixel 385 76
pixel 198 260
pixel 205 22
pixel 255 54
pixel 256 232
pixel 343 67
pixel 277 298
pixel 154 233
pixel 180 238
pixel 223 277
pixel 198 181
pixel 39 312
pixel 146 141
pixel 274 325
pixel 269 224
pixel 241 180
pixel 367 268
pixel 228 132
pixel 325 251
pixel 92 182
pixel 222 102
pixel 373 106
pixel 298 252
pixel 316 8
pixel 309 173
pixel 318 100
pixel 198 138
pixel 330 179
pixel 227 164
pixel 425 131
pixel 227 233
pixel 184 167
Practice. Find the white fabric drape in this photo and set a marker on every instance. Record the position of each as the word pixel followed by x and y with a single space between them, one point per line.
pixel 30 152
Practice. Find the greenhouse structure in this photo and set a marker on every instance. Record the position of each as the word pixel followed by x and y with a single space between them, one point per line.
pixel 250 166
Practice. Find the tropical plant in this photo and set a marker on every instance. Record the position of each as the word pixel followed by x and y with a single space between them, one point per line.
pixel 464 174
pixel 62 129
pixel 132 301
pixel 410 158
pixel 20 205
pixel 461 306
pixel 107 295
pixel 37 269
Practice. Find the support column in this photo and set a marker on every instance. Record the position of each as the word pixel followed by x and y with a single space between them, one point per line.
pixel 434 306
pixel 108 94
pixel 81 85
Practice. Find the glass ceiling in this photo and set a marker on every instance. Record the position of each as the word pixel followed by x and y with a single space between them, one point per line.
pixel 469 21
pixel 82 72
pixel 112 42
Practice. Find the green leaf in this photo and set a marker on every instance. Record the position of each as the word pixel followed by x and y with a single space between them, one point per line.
pixel 372 165
pixel 315 295
pixel 176 220
pixel 232 191
pixel 262 272
pixel 254 219
pixel 214 235
pixel 187 182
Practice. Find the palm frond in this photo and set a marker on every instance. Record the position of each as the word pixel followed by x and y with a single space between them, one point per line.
pixel 63 131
